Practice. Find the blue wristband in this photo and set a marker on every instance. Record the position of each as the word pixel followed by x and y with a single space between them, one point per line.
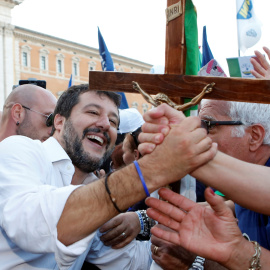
pixel 141 221
pixel 141 177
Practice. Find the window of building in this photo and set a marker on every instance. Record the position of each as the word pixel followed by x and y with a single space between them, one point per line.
pixel 60 64
pixel 134 105
pixel 145 107
pixel 92 65
pixel 25 56
pixel 24 59
pixel 75 69
pixel 43 54
pixel 76 66
pixel 43 62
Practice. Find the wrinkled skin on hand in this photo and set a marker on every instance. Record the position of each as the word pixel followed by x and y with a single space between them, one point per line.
pixel 194 225
pixel 113 229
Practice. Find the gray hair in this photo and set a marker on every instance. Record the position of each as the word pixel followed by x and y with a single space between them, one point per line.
pixel 250 114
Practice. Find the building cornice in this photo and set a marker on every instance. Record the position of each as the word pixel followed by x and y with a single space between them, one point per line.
pixel 49 40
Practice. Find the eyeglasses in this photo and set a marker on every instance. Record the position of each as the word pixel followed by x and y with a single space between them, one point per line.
pixel 135 135
pixel 208 125
pixel 49 118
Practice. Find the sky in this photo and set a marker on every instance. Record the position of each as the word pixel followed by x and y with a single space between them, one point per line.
pixel 136 29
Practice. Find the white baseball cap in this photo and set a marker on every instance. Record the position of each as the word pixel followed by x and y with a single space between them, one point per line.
pixel 130 120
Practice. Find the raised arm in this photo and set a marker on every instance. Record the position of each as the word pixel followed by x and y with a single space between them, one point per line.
pixel 88 207
pixel 209 233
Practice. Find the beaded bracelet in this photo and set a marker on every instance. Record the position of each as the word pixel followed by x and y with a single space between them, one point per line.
pixel 113 199
pixel 141 177
pixel 147 222
pixel 141 221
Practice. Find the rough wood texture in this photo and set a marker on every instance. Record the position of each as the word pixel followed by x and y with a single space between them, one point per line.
pixel 237 89
pixel 175 51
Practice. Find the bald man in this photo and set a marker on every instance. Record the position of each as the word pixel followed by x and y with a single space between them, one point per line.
pixel 28 111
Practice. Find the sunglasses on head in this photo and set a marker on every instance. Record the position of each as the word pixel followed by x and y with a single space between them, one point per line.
pixel 49 118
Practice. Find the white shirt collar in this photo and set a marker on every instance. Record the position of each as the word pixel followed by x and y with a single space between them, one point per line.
pixel 54 150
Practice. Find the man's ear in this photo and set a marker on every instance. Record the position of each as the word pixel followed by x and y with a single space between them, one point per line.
pixel 257 133
pixel 59 122
pixel 17 113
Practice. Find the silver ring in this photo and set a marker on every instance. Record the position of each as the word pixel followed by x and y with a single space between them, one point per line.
pixel 123 234
pixel 155 250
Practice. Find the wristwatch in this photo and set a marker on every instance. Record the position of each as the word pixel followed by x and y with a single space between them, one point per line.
pixel 198 264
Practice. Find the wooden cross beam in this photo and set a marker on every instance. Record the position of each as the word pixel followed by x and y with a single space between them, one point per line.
pixel 176 85
pixel 172 82
pixel 235 89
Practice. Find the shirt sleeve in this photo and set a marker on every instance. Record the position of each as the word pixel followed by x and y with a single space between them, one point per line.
pixel 30 208
pixel 135 255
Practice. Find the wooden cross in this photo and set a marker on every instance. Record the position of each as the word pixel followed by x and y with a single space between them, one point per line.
pixel 176 85
pixel 173 82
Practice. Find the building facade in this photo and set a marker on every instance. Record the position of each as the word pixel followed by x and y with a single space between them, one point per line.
pixel 28 54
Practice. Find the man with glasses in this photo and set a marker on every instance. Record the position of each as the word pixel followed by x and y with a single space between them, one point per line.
pixel 28 111
pixel 241 130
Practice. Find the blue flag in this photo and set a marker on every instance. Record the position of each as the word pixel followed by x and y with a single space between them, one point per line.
pixel 206 51
pixel 107 65
pixel 70 81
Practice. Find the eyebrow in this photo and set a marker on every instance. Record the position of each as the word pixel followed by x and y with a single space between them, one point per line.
pixel 99 107
pixel 207 117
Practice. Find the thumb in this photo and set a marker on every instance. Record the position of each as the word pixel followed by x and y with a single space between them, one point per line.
pixel 217 203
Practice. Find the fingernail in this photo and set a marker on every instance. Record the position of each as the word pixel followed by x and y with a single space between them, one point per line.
pixel 165 130
pixel 158 138
pixel 212 191
pixel 164 121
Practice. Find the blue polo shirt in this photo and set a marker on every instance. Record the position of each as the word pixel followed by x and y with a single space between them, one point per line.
pixel 254 225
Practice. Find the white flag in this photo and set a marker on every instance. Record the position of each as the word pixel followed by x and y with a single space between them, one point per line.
pixel 249 27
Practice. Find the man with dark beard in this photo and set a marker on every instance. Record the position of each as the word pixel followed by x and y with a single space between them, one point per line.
pixel 48 223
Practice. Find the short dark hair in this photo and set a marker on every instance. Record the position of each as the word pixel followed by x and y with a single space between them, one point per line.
pixel 71 97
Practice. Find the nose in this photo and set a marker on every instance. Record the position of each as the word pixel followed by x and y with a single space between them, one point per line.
pixel 103 122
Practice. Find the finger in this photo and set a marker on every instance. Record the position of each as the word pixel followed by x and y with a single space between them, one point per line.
pixel 102 173
pixel 203 158
pixel 111 224
pixel 123 243
pixel 156 240
pixel 258 71
pixel 256 74
pixel 189 124
pixel 181 202
pixel 170 236
pixel 174 116
pixel 114 237
pixel 146 148
pixel 112 234
pixel 262 60
pixel 155 138
pixel 155 128
pixel 218 204
pixel 267 51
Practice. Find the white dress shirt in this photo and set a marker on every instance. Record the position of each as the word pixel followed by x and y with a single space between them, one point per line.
pixel 35 182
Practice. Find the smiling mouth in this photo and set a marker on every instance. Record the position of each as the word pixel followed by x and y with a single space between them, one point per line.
pixel 95 139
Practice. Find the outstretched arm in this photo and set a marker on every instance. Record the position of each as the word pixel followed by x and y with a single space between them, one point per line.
pixel 224 173
pixel 88 207
pixel 210 233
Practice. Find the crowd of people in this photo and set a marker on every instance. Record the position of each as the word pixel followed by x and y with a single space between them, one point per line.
pixel 57 211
